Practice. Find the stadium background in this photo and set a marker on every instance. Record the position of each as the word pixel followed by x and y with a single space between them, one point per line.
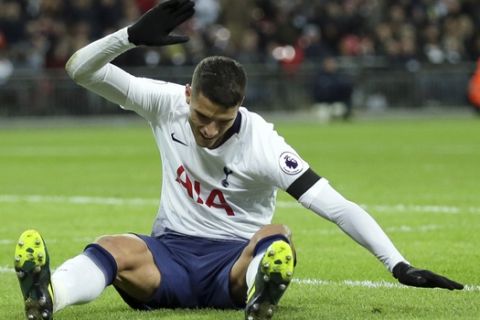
pixel 397 54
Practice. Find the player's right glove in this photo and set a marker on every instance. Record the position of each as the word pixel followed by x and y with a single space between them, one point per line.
pixel 412 276
pixel 154 27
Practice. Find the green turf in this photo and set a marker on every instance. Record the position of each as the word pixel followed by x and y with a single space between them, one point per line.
pixel 419 179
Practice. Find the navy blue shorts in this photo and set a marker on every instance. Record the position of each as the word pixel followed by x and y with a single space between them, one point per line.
pixel 195 272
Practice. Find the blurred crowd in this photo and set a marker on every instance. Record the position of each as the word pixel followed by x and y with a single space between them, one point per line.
pixel 39 34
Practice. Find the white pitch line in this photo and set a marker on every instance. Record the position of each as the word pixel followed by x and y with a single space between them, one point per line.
pixel 4 269
pixel 365 284
pixel 397 229
pixel 416 229
pixel 421 208
pixel 115 201
pixel 81 240
pixel 349 283
pixel 320 282
pixel 82 200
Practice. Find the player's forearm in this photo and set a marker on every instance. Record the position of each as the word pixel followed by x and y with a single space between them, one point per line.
pixel 90 67
pixel 353 220
pixel 90 61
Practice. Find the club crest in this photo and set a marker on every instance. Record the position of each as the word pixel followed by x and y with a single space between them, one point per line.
pixel 227 172
pixel 290 163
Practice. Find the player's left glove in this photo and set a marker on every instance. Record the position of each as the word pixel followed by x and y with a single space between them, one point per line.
pixel 154 27
pixel 412 276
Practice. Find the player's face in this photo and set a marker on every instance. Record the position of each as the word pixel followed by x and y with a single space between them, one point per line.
pixel 208 120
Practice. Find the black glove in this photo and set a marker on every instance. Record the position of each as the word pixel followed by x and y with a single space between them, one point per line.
pixel 412 276
pixel 153 28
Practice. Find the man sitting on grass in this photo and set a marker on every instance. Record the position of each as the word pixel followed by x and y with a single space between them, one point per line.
pixel 212 244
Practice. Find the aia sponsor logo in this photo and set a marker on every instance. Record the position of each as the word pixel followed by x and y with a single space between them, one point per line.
pixel 215 198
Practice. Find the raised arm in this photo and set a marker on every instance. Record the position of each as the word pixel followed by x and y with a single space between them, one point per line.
pixel 91 67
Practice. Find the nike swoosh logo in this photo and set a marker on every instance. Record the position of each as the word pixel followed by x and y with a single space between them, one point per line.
pixel 178 141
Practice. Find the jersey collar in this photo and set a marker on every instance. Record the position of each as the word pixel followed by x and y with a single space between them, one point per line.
pixel 235 128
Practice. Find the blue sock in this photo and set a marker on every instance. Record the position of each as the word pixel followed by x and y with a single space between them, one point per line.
pixel 103 259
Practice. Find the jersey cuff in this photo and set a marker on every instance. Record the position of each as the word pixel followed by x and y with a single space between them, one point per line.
pixel 303 183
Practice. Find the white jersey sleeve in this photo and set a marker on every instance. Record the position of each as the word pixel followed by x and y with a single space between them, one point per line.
pixel 278 163
pixel 325 201
pixel 91 68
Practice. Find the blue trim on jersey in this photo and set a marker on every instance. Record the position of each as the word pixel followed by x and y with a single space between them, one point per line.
pixel 235 128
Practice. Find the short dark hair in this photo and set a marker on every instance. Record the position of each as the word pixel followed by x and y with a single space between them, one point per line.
pixel 220 79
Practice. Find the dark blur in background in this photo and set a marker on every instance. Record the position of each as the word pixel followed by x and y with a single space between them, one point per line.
pixel 368 55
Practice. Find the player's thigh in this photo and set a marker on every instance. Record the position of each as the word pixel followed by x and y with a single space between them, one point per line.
pixel 137 273
pixel 239 269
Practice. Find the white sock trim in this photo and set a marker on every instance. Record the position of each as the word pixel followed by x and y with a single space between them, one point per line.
pixel 253 268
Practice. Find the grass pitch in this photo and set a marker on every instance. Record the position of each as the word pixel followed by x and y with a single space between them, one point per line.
pixel 419 179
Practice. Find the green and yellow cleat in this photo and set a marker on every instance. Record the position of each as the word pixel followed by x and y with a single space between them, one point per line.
pixel 32 266
pixel 273 277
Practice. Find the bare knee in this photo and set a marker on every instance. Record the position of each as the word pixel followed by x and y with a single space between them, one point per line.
pixel 137 274
pixel 123 248
pixel 267 231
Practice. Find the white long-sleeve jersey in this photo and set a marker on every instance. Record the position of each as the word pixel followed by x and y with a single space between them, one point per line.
pixel 228 192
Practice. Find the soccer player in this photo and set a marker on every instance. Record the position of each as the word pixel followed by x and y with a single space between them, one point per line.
pixel 212 244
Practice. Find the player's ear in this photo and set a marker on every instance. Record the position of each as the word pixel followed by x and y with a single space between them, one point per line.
pixel 188 93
